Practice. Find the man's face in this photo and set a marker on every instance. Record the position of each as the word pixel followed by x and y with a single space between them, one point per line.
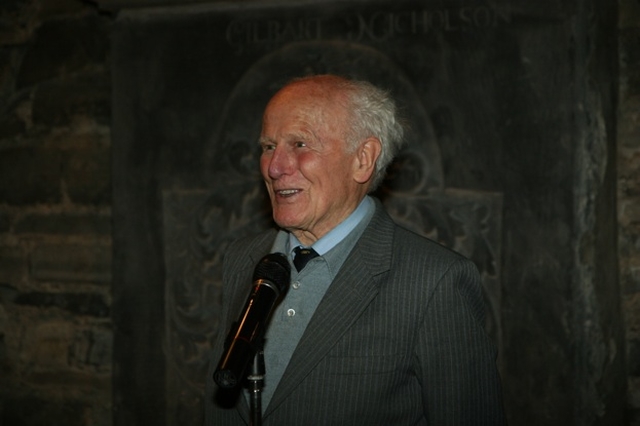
pixel 305 163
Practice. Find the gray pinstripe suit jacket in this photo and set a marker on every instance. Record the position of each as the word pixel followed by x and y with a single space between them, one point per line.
pixel 397 340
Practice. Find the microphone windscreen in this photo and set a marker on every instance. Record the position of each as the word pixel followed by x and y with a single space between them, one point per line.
pixel 274 268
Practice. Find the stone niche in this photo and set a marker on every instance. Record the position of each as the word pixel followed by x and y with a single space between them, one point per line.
pixel 507 161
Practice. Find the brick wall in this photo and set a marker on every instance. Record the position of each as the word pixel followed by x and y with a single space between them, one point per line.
pixel 55 231
pixel 629 191
pixel 55 244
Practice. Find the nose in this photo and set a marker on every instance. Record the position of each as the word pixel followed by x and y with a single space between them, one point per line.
pixel 280 162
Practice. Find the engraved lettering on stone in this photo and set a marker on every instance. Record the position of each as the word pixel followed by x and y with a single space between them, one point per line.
pixel 379 26
pixel 376 26
pixel 243 32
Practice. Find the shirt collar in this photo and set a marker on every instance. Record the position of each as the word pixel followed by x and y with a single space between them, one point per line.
pixel 337 234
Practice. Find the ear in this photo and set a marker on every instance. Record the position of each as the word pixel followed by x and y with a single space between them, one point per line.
pixel 365 160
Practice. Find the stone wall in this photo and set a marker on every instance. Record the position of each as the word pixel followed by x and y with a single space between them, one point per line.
pixel 55 211
pixel 629 191
pixel 55 231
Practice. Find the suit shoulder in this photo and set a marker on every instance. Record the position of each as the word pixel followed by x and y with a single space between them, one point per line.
pixel 413 244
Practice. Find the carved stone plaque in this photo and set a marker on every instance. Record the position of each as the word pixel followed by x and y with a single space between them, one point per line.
pixel 498 165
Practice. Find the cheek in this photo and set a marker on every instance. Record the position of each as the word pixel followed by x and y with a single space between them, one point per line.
pixel 337 172
pixel 313 167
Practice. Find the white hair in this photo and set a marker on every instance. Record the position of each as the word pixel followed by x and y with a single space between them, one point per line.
pixel 374 113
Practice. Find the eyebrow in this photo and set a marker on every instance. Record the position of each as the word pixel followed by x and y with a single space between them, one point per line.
pixel 292 136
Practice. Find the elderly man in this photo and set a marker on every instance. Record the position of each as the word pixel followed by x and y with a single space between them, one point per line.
pixel 382 327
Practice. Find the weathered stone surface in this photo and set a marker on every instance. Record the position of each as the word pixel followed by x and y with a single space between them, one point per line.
pixel 632 306
pixel 87 175
pixel 64 46
pixel 55 8
pixel 16 20
pixel 7 70
pixel 34 410
pixel 8 293
pixel 629 175
pixel 77 303
pixel 54 371
pixel 16 120
pixel 5 222
pixel 57 102
pixel 629 105
pixel 11 125
pixel 72 262
pixel 629 39
pixel 633 357
pixel 5 363
pixel 629 271
pixel 30 175
pixel 46 345
pixel 633 398
pixel 92 348
pixel 629 13
pixel 629 194
pixel 13 265
pixel 64 224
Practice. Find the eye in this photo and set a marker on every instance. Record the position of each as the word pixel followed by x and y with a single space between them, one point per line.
pixel 267 146
pixel 299 144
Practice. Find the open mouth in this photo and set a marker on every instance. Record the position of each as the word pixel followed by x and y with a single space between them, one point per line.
pixel 287 192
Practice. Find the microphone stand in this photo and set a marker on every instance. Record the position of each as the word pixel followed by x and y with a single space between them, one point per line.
pixel 255 385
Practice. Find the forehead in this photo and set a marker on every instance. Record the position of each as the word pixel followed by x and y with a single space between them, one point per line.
pixel 307 102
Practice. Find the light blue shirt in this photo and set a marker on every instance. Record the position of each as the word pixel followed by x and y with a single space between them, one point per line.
pixel 337 234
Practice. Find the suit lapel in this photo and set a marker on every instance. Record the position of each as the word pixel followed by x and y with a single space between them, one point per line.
pixel 355 286
pixel 241 273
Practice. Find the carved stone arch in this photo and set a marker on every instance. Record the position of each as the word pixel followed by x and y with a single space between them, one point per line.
pixel 233 148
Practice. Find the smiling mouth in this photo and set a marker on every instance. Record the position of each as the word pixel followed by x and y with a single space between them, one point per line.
pixel 287 192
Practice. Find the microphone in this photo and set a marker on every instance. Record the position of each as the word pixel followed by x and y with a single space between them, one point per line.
pixel 270 282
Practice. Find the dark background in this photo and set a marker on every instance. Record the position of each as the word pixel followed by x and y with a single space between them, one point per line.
pixel 128 161
pixel 511 126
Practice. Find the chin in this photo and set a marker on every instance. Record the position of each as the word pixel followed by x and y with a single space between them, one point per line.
pixel 286 216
